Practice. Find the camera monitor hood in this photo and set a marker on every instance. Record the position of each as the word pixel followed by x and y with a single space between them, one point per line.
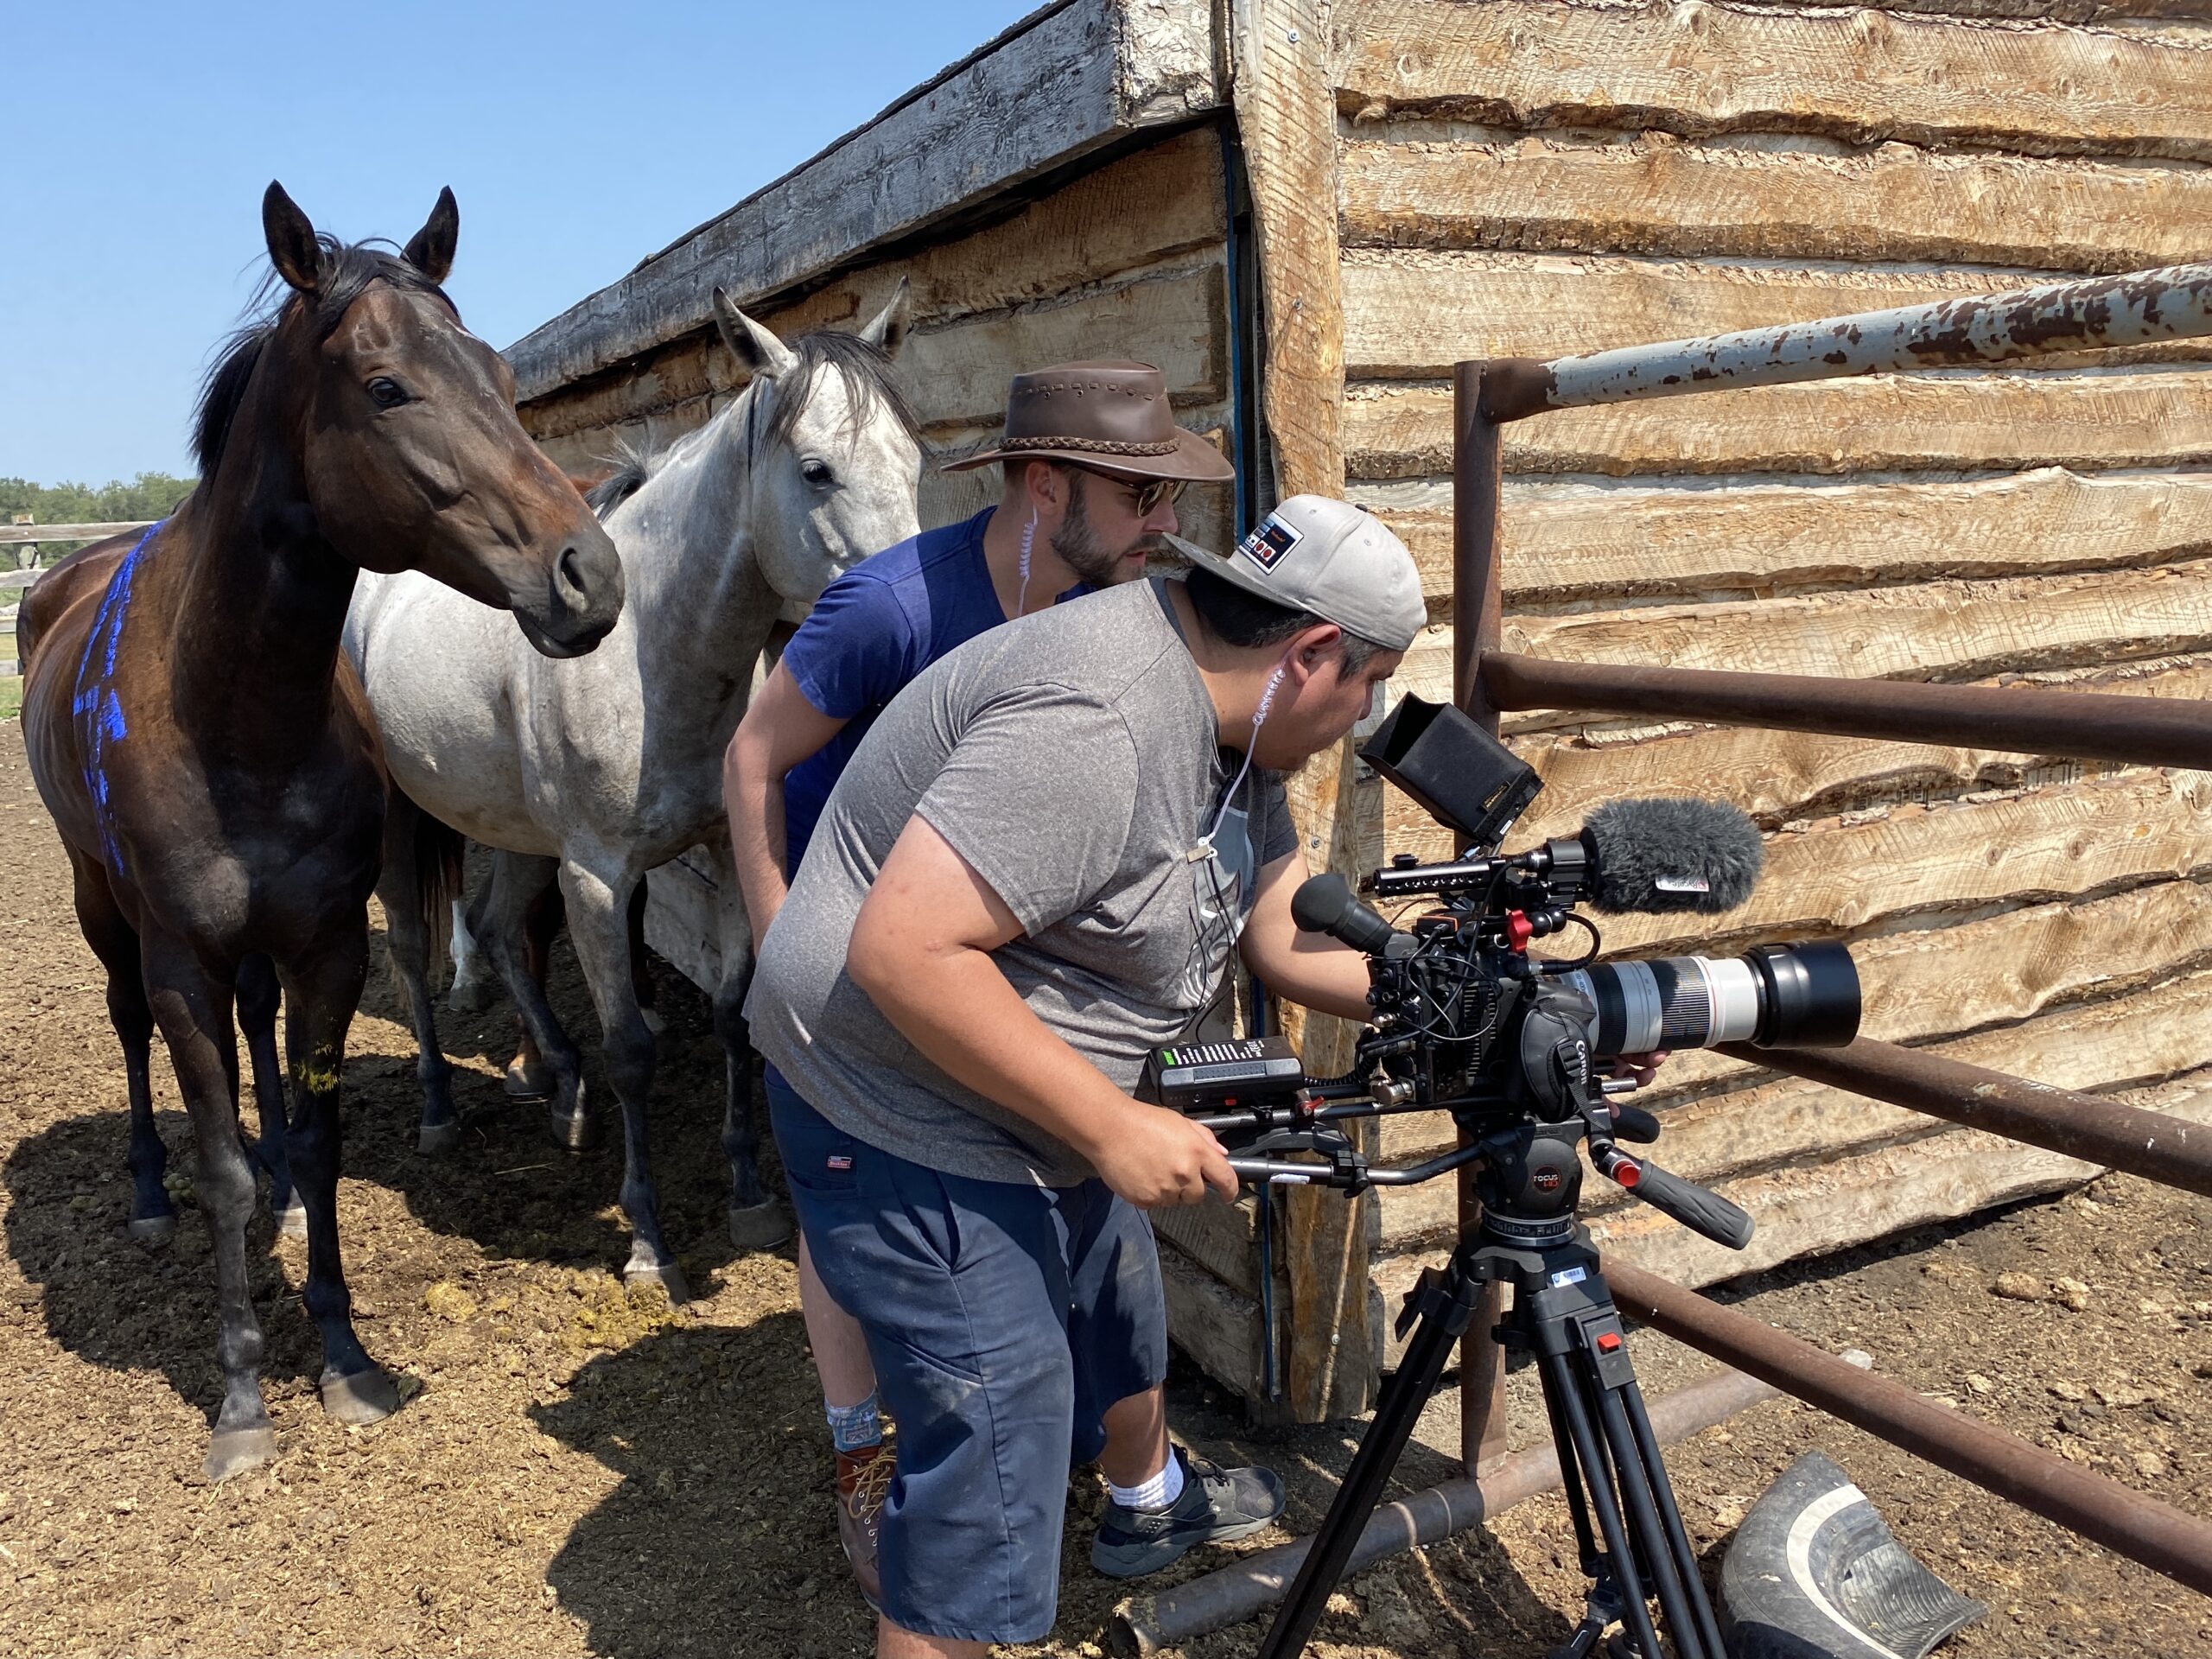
pixel 1458 773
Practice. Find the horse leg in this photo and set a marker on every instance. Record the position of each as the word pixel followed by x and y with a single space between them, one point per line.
pixel 599 926
pixel 193 1012
pixel 756 1220
pixel 528 1077
pixel 258 995
pixel 115 942
pixel 499 918
pixel 414 891
pixel 471 990
pixel 641 973
pixel 324 989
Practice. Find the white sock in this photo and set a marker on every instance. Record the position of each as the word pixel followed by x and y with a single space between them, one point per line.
pixel 1155 1495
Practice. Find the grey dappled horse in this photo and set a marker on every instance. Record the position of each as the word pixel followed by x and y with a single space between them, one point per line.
pixel 592 771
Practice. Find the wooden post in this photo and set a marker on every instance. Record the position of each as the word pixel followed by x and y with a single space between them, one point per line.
pixel 1287 124
pixel 1478 481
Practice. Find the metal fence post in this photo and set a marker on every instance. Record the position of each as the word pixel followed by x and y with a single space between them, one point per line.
pixel 1478 477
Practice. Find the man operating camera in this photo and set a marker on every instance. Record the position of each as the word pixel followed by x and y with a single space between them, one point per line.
pixel 1036 868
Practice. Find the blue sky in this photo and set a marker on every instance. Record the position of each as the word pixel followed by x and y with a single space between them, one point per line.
pixel 135 141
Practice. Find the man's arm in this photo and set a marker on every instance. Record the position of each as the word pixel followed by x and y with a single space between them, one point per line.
pixel 1311 970
pixel 780 729
pixel 921 951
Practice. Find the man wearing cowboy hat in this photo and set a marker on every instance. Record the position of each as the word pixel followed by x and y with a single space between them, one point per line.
pixel 1037 868
pixel 1093 462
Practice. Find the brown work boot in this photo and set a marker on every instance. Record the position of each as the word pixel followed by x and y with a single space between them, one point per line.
pixel 863 1482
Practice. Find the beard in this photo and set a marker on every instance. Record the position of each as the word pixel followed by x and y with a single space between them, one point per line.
pixel 1080 547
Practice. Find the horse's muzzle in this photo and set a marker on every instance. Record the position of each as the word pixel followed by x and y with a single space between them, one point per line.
pixel 583 597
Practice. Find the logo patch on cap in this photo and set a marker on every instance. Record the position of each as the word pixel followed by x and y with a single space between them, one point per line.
pixel 1269 540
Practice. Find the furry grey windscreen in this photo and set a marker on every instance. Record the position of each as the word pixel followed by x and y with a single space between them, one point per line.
pixel 1639 845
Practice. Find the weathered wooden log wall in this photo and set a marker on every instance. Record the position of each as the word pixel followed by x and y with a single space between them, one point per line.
pixel 1534 177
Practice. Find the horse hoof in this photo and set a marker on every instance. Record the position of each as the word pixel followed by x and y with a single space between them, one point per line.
pixel 668 1276
pixel 152 1232
pixel 578 1131
pixel 758 1226
pixel 364 1397
pixel 292 1220
pixel 235 1451
pixel 435 1140
pixel 469 996
pixel 527 1082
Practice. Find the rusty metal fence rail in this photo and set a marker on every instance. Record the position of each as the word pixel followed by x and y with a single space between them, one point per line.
pixel 2155 305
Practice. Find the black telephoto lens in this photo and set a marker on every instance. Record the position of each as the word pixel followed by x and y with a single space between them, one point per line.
pixel 1775 996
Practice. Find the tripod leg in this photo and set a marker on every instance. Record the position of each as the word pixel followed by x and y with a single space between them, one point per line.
pixel 1667 1568
pixel 1578 1507
pixel 1445 1305
pixel 1561 1375
pixel 1647 1443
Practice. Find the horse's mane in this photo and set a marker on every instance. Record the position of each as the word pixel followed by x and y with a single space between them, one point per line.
pixel 868 372
pixel 633 464
pixel 347 267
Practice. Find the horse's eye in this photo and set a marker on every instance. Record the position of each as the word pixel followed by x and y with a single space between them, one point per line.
pixel 387 392
pixel 816 473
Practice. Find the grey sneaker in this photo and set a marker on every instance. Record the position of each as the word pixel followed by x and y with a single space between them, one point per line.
pixel 1218 1506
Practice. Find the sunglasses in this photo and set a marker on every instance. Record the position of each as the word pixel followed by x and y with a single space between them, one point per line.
pixel 1148 496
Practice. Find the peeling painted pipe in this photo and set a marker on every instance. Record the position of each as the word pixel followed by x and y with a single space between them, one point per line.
pixel 1145 1624
pixel 2174 303
pixel 2127 1522
pixel 2156 1146
pixel 2022 720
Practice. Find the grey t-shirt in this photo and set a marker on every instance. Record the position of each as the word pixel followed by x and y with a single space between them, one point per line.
pixel 1073 758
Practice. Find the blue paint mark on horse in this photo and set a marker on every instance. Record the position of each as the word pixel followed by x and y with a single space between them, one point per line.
pixel 95 701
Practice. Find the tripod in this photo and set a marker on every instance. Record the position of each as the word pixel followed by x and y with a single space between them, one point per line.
pixel 1562 1313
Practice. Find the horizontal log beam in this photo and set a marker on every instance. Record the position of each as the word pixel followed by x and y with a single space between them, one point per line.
pixel 2174 303
pixel 2145 731
pixel 1411 315
pixel 1695 69
pixel 2159 417
pixel 2131 1524
pixel 2153 1144
pixel 1659 195
pixel 1567 542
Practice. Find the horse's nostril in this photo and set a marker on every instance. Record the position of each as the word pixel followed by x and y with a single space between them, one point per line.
pixel 571 578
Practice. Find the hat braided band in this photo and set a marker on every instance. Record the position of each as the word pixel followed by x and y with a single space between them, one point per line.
pixel 1090 446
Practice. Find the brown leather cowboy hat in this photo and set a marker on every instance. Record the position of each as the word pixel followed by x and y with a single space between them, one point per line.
pixel 1113 415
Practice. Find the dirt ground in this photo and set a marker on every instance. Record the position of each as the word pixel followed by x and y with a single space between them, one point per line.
pixel 582 1473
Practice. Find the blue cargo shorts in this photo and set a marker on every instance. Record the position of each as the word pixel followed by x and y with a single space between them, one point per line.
pixel 1003 1320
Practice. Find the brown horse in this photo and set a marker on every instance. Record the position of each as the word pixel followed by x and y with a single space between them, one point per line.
pixel 207 753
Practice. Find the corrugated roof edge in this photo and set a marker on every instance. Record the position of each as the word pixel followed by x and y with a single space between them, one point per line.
pixel 1071 77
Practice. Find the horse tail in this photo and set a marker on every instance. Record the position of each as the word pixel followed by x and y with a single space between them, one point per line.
pixel 439 850
pixel 432 854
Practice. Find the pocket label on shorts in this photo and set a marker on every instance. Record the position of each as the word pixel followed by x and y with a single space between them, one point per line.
pixel 837 1160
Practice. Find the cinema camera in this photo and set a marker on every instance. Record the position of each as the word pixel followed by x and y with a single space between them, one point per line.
pixel 1466 1019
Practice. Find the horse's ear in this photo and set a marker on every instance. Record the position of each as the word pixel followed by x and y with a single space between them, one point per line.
pixel 887 331
pixel 758 351
pixel 430 250
pixel 293 248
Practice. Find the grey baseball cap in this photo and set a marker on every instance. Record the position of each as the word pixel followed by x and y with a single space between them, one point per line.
pixel 1330 557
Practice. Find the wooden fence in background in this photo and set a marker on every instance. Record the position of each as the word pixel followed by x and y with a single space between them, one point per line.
pixel 13 581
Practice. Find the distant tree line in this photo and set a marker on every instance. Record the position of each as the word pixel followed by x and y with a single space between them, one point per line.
pixel 149 495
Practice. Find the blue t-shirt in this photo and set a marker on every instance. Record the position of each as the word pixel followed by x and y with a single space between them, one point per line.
pixel 873 630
